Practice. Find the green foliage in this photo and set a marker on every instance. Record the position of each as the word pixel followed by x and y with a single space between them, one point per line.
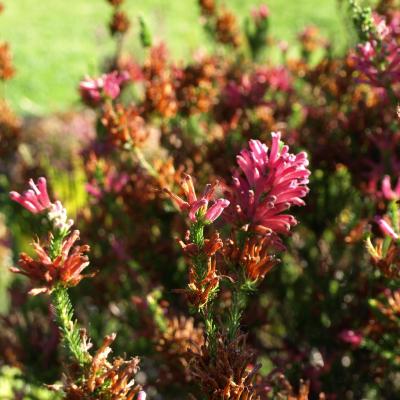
pixel 71 335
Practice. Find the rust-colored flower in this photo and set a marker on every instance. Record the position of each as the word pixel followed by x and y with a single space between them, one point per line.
pixel 124 124
pixel 226 29
pixel 207 7
pixel 105 380
pixel 255 258
pixel 6 67
pixel 229 374
pixel 66 269
pixel 120 23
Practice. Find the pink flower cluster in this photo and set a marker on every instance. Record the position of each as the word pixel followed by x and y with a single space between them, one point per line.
pixel 268 182
pixel 94 90
pixel 35 199
pixel 198 208
pixel 379 58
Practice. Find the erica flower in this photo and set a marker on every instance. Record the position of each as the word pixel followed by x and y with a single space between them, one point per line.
pixel 198 208
pixel 93 90
pixel 35 199
pixel 268 182
pixel 388 192
pixel 65 269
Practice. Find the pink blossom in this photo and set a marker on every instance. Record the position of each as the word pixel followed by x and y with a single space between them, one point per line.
pixel 351 337
pixel 198 208
pixel 93 90
pixel 260 13
pixel 379 58
pixel 388 192
pixel 35 199
pixel 268 182
pixel 386 228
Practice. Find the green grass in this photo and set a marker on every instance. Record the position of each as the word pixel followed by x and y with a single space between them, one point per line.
pixel 56 42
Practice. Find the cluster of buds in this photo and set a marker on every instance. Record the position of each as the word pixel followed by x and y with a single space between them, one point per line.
pixel 104 379
pixel 108 87
pixel 268 182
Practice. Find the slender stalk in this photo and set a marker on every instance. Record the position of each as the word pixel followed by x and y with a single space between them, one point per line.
pixel 144 163
pixel 69 329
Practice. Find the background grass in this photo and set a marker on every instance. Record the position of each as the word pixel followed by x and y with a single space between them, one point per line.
pixel 56 42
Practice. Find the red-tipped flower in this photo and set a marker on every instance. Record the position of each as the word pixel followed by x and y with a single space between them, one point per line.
pixel 268 182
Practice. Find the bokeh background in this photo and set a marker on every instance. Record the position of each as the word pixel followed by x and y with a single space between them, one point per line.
pixel 56 42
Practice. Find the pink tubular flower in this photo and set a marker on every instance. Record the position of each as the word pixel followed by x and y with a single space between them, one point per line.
pixel 386 228
pixel 198 208
pixel 388 192
pixel 93 90
pixel 351 337
pixel 35 199
pixel 268 182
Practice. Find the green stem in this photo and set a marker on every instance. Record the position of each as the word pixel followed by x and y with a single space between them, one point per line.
pixel 200 264
pixel 144 163
pixel 69 329
pixel 239 301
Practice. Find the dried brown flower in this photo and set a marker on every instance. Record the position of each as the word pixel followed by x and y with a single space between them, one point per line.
pixel 229 373
pixel 174 344
pixel 124 124
pixel 207 7
pixel 104 379
pixel 226 29
pixel 120 23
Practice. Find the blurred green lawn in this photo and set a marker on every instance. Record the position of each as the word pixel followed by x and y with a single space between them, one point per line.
pixel 56 42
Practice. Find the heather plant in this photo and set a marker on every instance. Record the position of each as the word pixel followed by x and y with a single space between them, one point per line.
pixel 242 214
